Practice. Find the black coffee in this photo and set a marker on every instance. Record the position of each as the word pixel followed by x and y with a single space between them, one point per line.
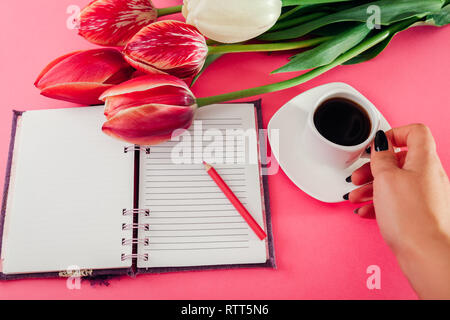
pixel 342 121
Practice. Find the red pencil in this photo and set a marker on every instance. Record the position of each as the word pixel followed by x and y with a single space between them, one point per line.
pixel 235 201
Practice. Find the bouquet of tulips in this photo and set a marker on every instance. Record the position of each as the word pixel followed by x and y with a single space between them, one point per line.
pixel 143 74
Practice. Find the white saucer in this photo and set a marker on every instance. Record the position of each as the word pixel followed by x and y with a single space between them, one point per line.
pixel 320 181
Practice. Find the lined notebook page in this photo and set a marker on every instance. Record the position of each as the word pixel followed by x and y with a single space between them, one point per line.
pixel 191 222
pixel 68 187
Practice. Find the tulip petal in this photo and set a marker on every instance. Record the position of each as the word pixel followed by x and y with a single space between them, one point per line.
pixel 85 93
pixel 120 76
pixel 167 95
pixel 95 66
pixel 114 22
pixel 169 46
pixel 145 83
pixel 51 65
pixel 142 67
pixel 232 21
pixel 149 124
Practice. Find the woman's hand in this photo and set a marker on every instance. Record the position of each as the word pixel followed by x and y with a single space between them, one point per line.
pixel 411 202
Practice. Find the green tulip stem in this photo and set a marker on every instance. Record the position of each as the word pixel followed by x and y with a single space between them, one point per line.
pixel 169 10
pixel 355 51
pixel 263 47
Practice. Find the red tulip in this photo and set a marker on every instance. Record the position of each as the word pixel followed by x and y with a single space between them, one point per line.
pixel 114 22
pixel 82 76
pixel 148 109
pixel 168 46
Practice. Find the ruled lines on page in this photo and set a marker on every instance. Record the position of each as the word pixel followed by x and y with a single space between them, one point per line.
pixel 184 200
pixel 191 221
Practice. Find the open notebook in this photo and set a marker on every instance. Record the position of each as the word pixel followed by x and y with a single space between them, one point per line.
pixel 76 199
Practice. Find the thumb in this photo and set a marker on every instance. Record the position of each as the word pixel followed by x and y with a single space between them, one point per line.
pixel 383 158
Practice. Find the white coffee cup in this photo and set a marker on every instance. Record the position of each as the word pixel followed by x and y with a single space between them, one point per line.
pixel 326 152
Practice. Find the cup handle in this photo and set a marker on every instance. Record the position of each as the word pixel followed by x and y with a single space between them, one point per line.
pixel 365 154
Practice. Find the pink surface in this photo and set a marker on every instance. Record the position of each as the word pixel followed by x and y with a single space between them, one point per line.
pixel 322 250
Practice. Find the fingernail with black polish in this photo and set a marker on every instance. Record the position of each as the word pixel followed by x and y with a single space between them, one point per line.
pixel 356 211
pixel 369 150
pixel 348 179
pixel 381 142
pixel 346 196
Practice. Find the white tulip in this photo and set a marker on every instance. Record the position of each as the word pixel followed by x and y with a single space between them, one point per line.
pixel 231 21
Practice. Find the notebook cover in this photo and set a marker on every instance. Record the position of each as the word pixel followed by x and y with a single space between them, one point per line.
pixel 98 274
pixel 270 263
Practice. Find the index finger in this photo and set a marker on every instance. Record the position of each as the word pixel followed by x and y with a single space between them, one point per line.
pixel 417 138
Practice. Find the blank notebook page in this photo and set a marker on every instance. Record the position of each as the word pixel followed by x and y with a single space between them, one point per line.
pixel 191 221
pixel 69 185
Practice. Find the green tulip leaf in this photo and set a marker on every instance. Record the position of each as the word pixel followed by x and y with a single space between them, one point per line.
pixel 374 51
pixel 334 29
pixel 308 2
pixel 301 14
pixel 440 18
pixel 371 53
pixel 390 12
pixel 326 52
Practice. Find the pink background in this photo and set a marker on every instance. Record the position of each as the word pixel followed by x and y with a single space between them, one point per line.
pixel 322 250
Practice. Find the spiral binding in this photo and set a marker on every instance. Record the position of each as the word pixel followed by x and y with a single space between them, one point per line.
pixel 133 226
pixel 130 212
pixel 133 212
pixel 130 226
pixel 136 148
pixel 134 256
pixel 127 242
